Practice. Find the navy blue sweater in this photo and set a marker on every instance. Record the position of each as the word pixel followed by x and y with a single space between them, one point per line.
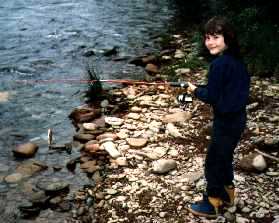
pixel 228 86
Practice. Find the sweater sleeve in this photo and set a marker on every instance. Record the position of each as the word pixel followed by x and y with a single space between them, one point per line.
pixel 212 92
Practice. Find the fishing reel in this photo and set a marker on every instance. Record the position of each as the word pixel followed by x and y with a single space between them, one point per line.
pixel 184 100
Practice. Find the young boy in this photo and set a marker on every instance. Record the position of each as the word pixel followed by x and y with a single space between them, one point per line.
pixel 227 92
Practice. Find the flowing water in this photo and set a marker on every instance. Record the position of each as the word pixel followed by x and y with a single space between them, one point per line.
pixel 47 40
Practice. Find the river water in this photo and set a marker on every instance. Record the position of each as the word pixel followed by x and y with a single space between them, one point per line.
pixel 47 40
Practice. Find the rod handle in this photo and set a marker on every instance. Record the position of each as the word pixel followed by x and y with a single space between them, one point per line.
pixel 179 84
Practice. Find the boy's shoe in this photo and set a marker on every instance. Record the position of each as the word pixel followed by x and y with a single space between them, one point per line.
pixel 229 201
pixel 208 207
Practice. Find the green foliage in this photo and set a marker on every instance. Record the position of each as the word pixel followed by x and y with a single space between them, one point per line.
pixel 259 40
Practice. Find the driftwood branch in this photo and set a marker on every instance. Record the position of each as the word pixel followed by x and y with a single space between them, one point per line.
pixel 267 155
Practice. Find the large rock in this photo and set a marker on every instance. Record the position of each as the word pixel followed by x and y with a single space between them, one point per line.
pixel 26 150
pixel 253 162
pixel 163 166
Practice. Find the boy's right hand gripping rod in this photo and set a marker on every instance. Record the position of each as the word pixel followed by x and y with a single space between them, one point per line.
pixel 179 84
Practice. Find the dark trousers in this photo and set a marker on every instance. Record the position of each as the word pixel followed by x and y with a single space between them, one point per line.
pixel 226 134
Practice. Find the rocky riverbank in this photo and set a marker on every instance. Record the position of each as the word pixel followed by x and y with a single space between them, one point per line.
pixel 143 154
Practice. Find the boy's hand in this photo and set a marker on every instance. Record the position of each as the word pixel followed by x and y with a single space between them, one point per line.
pixel 191 88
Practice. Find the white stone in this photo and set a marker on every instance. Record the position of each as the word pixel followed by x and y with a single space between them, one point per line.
pixel 111 149
pixel 89 126
pixel 163 166
pixel 114 121
pixel 259 163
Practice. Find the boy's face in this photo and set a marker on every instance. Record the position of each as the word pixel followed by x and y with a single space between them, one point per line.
pixel 215 43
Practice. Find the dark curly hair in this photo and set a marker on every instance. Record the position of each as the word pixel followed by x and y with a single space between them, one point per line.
pixel 220 25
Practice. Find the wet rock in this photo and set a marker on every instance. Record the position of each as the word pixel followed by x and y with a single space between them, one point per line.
pixel 14 178
pixel 111 149
pixel 110 52
pixel 38 198
pixel 71 165
pixel 26 150
pixel 83 137
pixel 30 167
pixel 163 166
pixel 151 68
pixel 137 142
pixel 89 53
pixel 84 114
pixel 180 117
pixel 89 166
pixel 28 210
pixel 52 186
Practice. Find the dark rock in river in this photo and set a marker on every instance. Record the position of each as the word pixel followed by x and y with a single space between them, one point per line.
pixel 84 114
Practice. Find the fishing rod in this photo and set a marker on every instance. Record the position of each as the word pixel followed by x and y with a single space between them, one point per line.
pixel 116 81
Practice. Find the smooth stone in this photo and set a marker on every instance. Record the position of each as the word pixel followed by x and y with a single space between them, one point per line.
pixel 89 126
pixel 114 121
pixel 163 166
pixel 137 142
pixel 112 136
pixel 26 150
pixel 111 191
